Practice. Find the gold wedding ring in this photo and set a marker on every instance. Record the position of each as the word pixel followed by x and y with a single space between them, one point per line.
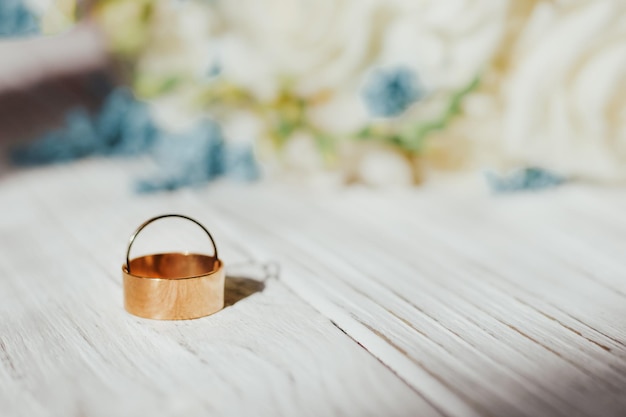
pixel 173 286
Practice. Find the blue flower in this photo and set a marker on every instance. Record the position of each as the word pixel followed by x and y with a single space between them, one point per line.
pixel 215 69
pixel 16 19
pixel 389 92
pixel 523 180
pixel 186 159
pixel 240 163
pixel 195 157
pixel 76 140
pixel 123 127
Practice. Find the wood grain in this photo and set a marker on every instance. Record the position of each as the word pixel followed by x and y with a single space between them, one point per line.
pixel 413 302
pixel 69 348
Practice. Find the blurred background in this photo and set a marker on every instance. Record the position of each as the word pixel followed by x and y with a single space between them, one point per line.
pixel 387 93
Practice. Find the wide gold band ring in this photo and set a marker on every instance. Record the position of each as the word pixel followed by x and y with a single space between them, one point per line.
pixel 173 286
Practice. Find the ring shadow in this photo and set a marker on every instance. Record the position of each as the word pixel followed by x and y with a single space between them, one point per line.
pixel 237 288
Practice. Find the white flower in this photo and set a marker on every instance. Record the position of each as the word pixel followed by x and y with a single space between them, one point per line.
pixel 447 43
pixel 176 112
pixel 55 15
pixel 565 97
pixel 241 127
pixel 179 41
pixel 341 114
pixel 300 162
pixel 381 166
pixel 317 45
pixel 329 44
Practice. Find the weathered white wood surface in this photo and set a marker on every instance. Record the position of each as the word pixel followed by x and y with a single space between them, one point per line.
pixel 408 303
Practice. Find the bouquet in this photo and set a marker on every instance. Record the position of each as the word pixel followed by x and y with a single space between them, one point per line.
pixel 384 92
pixel 339 91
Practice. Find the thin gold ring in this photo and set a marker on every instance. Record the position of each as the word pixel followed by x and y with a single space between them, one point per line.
pixel 163 216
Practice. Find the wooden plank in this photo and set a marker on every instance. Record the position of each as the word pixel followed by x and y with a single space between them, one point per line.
pixel 463 298
pixel 482 305
pixel 68 348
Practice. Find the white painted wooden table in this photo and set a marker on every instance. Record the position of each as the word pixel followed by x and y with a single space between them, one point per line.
pixel 362 303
